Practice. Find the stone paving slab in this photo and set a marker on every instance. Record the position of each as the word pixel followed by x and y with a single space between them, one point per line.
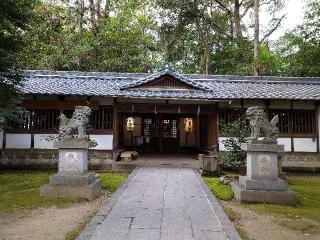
pixel 161 203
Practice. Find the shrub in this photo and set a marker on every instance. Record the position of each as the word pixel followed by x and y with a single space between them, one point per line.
pixel 234 158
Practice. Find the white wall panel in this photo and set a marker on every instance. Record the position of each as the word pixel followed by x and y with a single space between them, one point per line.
pixel 105 142
pixel 286 142
pixel 40 141
pixel 18 141
pixel 304 145
pixel 1 139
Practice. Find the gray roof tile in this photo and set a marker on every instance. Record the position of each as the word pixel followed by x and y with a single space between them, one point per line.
pixel 207 86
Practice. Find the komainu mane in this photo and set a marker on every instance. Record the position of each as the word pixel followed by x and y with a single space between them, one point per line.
pixel 75 126
pixel 260 125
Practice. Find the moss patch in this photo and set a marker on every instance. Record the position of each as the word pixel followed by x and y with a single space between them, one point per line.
pixel 308 193
pixel 21 191
pixel 112 181
pixel 221 191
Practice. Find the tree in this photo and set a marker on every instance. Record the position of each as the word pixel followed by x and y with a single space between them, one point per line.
pixel 190 29
pixel 14 18
pixel 300 48
pixel 274 6
pixel 84 36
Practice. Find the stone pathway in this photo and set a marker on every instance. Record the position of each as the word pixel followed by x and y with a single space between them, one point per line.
pixel 161 203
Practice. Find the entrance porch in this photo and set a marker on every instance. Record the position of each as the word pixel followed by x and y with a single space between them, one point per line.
pixel 165 128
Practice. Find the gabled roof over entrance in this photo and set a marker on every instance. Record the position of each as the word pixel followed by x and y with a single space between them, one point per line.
pixel 166 78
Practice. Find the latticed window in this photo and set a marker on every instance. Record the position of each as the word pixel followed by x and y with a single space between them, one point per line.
pixel 102 119
pixel 151 127
pixel 296 121
pixel 169 128
pixel 231 115
pixel 284 119
pixel 39 119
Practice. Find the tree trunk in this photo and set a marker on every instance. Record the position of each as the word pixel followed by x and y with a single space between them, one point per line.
pixel 237 19
pixel 256 38
pixel 93 21
pixel 81 3
pixel 107 8
pixel 207 63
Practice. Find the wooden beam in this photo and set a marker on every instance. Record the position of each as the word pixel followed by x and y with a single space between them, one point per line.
pixel 59 105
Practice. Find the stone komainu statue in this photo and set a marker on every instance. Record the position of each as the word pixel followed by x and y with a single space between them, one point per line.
pixel 259 124
pixel 75 126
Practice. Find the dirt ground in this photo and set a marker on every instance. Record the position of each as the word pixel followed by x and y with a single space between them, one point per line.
pixel 47 223
pixel 266 227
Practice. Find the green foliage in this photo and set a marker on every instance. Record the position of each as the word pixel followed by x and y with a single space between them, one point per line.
pixel 308 194
pixel 112 181
pixel 221 191
pixel 234 158
pixel 20 191
pixel 14 18
pixel 124 42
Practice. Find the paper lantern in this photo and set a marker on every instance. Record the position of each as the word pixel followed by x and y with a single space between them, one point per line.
pixel 130 124
pixel 188 125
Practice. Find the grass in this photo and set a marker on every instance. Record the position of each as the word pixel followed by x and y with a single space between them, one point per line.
pixel 308 194
pixel 221 191
pixel 112 181
pixel 72 235
pixel 21 191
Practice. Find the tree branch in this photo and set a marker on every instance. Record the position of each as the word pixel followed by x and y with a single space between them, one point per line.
pixel 224 7
pixel 273 29
pixel 246 10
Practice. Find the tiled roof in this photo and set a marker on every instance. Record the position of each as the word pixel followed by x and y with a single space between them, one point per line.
pixel 205 86
pixel 166 71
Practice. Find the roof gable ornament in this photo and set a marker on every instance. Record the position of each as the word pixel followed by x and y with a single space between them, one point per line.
pixel 167 66
pixel 166 78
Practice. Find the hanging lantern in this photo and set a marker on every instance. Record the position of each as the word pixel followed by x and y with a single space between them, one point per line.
pixel 188 125
pixel 130 124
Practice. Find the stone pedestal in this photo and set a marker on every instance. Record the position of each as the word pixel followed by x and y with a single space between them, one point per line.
pixel 262 182
pixel 73 179
pixel 208 164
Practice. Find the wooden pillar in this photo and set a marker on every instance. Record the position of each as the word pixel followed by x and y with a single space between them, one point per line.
pixel 115 125
pixel 317 112
pixel 160 129
pixel 290 126
pixel 212 129
pixel 198 128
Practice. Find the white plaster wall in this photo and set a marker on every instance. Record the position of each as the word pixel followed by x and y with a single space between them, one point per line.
pixel 304 145
pixel 105 142
pixel 18 141
pixel 286 142
pixel 40 141
pixel 1 139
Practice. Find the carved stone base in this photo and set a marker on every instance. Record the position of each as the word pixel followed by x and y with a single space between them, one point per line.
pixel 268 185
pixel 78 185
pixel 243 195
